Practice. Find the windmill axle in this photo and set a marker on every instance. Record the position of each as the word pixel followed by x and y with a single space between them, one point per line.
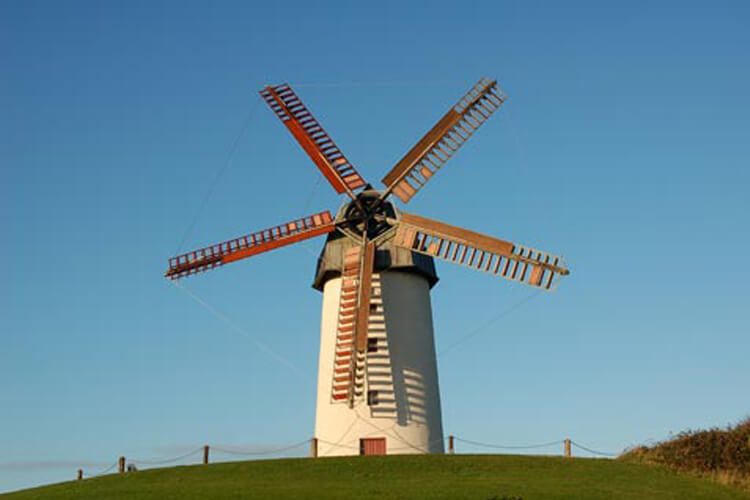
pixel 367 215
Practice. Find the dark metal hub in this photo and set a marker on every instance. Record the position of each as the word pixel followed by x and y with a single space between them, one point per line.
pixel 368 214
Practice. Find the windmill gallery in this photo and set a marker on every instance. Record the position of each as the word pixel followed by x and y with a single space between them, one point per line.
pixel 377 375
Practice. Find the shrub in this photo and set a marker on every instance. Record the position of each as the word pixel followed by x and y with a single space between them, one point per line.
pixel 720 453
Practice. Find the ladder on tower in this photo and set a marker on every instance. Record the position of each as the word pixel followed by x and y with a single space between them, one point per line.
pixel 349 364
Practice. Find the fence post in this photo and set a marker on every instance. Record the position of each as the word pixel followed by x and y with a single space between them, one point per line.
pixel 314 447
pixel 80 474
pixel 567 448
pixel 450 444
pixel 205 455
pixel 121 465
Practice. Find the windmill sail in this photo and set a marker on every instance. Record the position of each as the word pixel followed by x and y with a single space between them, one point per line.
pixel 479 251
pixel 353 321
pixel 443 140
pixel 251 244
pixel 314 140
pixel 363 300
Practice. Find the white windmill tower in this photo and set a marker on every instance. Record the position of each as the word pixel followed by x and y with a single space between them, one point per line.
pixel 377 375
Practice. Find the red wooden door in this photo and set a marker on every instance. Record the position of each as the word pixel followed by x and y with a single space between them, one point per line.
pixel 372 446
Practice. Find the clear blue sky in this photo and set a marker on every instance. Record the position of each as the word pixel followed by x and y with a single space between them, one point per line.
pixel 623 145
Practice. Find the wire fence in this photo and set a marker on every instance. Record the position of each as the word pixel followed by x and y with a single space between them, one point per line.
pixel 510 447
pixel 265 453
pixel 166 460
pixel 124 464
pixel 593 452
pixel 83 473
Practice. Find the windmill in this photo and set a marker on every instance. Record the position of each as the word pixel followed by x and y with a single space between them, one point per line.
pixel 377 377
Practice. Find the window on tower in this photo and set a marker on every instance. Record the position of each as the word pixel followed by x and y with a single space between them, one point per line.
pixel 372 345
pixel 372 398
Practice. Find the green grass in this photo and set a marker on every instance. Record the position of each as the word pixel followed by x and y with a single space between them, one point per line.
pixel 424 476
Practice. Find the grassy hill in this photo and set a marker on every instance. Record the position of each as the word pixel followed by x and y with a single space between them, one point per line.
pixel 476 477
